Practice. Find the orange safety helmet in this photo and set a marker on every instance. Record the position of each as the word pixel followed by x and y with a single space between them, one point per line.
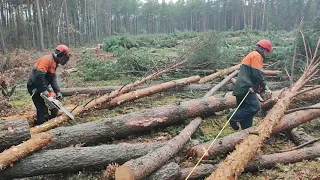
pixel 266 44
pixel 63 49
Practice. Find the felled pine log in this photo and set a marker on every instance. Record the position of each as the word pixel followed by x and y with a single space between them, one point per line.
pixel 169 171
pixel 73 159
pixel 260 162
pixel 219 73
pixel 191 87
pixel 13 133
pixel 223 72
pixel 227 143
pixel 144 166
pixel 133 95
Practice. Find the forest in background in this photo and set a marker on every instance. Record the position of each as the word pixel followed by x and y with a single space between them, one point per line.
pixel 42 24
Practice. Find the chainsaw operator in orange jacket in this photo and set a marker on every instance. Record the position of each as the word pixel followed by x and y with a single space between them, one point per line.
pixel 42 75
pixel 251 78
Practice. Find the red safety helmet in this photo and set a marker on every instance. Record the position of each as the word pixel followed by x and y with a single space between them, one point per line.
pixel 266 44
pixel 63 49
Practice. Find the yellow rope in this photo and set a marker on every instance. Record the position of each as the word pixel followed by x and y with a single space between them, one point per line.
pixel 217 135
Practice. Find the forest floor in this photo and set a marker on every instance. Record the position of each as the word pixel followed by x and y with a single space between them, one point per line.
pixel 21 62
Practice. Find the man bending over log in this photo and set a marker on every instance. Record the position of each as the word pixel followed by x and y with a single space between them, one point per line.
pixel 42 75
pixel 250 78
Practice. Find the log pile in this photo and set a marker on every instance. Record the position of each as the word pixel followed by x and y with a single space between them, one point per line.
pixel 48 149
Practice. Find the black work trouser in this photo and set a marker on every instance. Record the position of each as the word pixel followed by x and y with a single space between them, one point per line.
pixel 249 107
pixel 42 109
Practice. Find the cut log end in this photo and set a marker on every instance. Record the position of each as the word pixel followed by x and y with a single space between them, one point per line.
pixel 124 173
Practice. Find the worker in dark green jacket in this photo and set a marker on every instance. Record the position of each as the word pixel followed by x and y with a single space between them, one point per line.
pixel 250 78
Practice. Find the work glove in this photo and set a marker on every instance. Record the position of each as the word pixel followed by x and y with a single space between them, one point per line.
pixel 59 96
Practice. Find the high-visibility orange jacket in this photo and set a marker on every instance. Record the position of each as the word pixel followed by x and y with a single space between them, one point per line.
pixel 43 74
pixel 250 75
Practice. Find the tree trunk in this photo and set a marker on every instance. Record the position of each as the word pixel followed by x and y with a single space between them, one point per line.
pixel 67 21
pixel 108 89
pixel 133 95
pixel 3 45
pixel 99 101
pixel 108 17
pixel 227 143
pixel 40 26
pixel 13 133
pixel 218 86
pixel 46 16
pixel 264 161
pixel 219 74
pixel 145 165
pixel 263 15
pixel 96 20
pixel 73 159
pixel 167 172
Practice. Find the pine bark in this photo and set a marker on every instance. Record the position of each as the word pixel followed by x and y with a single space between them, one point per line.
pixel 227 143
pixel 169 171
pixel 73 159
pixel 13 133
pixel 142 167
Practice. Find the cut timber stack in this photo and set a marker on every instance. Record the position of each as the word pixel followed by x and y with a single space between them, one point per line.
pixel 13 132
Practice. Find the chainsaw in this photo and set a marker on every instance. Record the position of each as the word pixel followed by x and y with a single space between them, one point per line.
pixel 53 103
